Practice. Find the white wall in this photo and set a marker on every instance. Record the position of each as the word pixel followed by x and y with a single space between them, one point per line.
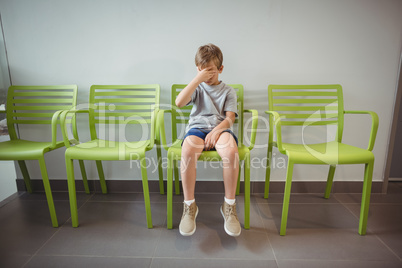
pixel 7 168
pixel 7 179
pixel 355 43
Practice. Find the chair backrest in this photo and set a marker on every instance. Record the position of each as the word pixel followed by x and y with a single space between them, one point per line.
pixel 181 116
pixel 37 104
pixel 123 104
pixel 308 105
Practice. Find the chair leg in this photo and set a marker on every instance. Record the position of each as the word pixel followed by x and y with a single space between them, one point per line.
pixel 72 192
pixel 268 170
pixel 25 174
pixel 48 192
pixel 160 171
pixel 84 176
pixel 170 192
pixel 286 198
pixel 176 177
pixel 146 191
pixel 247 192
pixel 368 175
pixel 101 176
pixel 238 180
pixel 330 180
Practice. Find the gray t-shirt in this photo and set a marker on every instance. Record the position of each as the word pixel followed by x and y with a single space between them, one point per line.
pixel 210 104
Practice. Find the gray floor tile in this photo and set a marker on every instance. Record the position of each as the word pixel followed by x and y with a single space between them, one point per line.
pixel 210 239
pixel 158 198
pixel 109 229
pixel 25 225
pixel 211 263
pixel 320 232
pixel 113 233
pixel 337 264
pixel 315 198
pixel 129 197
pixel 329 244
pixel 308 216
pixel 385 221
pixel 79 261
pixel 11 260
pixel 391 198
pixel 57 196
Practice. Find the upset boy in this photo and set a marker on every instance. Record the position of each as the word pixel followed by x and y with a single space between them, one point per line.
pixel 213 114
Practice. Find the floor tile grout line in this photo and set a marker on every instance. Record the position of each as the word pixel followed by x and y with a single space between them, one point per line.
pixel 44 244
pixel 266 234
pixel 142 257
pixel 158 241
pixel 96 256
pixel 333 260
pixel 208 258
pixel 260 216
pixel 374 233
pixel 58 230
pixel 390 249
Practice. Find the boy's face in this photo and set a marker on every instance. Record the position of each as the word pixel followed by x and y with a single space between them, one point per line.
pixel 214 80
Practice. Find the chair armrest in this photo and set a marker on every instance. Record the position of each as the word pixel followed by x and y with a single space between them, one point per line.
pixel 278 127
pixel 254 124
pixel 55 121
pixel 154 129
pixel 161 125
pixel 63 124
pixel 374 126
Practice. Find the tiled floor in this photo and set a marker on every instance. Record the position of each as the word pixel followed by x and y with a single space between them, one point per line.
pixel 113 233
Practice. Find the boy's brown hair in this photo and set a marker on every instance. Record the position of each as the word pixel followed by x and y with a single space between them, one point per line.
pixel 207 53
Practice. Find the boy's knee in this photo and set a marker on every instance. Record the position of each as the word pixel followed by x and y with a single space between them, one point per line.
pixel 190 148
pixel 226 142
pixel 230 154
pixel 187 152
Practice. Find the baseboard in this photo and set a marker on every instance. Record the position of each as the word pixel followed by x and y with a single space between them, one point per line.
pixel 394 179
pixel 117 186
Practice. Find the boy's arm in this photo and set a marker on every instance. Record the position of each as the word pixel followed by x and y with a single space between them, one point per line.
pixel 213 136
pixel 184 96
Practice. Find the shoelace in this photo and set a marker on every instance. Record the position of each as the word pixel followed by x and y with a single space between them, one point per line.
pixel 231 210
pixel 188 210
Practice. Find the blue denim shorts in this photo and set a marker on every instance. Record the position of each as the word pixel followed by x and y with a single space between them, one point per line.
pixel 202 133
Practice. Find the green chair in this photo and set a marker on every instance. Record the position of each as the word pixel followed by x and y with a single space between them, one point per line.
pixel 180 117
pixel 316 105
pixel 112 106
pixel 35 105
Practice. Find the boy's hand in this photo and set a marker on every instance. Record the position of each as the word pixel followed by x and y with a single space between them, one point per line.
pixel 206 74
pixel 211 139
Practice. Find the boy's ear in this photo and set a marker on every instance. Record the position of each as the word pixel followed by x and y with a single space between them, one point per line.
pixel 220 69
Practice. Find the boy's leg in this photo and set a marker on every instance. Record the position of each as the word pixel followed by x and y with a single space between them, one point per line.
pixel 191 150
pixel 227 149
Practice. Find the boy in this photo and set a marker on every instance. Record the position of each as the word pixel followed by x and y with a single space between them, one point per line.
pixel 213 113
